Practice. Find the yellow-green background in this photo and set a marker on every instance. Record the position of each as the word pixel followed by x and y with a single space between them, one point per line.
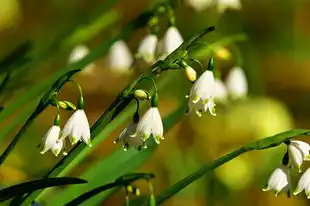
pixel 276 60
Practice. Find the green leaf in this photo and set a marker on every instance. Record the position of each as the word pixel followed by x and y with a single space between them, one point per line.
pixel 20 189
pixel 119 182
pixel 264 143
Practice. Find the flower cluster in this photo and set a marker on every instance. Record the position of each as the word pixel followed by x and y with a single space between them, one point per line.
pixel 150 50
pixel 280 179
pixel 141 129
pixel 76 129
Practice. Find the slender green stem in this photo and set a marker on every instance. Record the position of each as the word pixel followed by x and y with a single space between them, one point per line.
pixel 81 98
pixel 261 144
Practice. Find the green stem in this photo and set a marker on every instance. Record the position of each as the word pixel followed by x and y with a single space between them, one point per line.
pixel 44 102
pixel 261 144
pixel 81 98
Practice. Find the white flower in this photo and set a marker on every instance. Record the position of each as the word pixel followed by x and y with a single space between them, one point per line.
pixel 127 139
pixel 78 53
pixel 120 57
pixel 50 138
pixel 199 5
pixel 304 184
pixel 298 152
pixel 150 124
pixel 57 147
pixel 220 92
pixel 202 94
pixel 236 83
pixel 223 5
pixel 172 40
pixel 279 180
pixel 77 128
pixel 147 48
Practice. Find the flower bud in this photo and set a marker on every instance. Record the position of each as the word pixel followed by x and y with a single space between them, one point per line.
pixel 222 53
pixel 190 73
pixel 142 94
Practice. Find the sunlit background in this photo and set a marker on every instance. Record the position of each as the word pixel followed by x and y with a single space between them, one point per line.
pixel 275 57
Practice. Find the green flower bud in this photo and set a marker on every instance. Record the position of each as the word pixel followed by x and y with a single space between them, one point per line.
pixel 142 94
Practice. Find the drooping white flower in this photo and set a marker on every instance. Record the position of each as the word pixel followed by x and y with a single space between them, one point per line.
pixel 298 152
pixel 279 180
pixel 304 184
pixel 57 147
pixel 220 92
pixel 77 128
pixel 78 53
pixel 50 138
pixel 147 48
pixel 172 40
pixel 150 125
pixel 223 5
pixel 202 94
pixel 199 5
pixel 236 83
pixel 120 57
pixel 127 139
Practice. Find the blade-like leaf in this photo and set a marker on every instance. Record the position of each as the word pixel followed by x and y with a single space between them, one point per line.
pixel 20 189
pixel 119 182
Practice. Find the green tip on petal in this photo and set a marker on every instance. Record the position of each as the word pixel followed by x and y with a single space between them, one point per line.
pixel 56 152
pixel 145 137
pixel 157 138
pixel 277 192
pixel 74 140
pixel 266 188
pixel 65 153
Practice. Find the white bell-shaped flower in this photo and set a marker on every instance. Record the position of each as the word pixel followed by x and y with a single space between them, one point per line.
pixel 57 147
pixel 304 184
pixel 78 53
pixel 202 94
pixel 150 125
pixel 77 128
pixel 127 139
pixel 236 83
pixel 298 153
pixel 279 180
pixel 199 5
pixel 223 5
pixel 220 92
pixel 50 138
pixel 120 57
pixel 172 40
pixel 147 48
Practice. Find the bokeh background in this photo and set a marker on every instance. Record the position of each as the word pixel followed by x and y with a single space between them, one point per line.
pixel 275 59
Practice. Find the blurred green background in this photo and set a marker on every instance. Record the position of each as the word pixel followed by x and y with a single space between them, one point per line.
pixel 276 60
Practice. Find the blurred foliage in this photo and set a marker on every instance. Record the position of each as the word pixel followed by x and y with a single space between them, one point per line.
pixel 275 57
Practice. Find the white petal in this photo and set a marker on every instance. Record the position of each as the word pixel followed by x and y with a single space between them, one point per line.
pixel 172 40
pixel 147 48
pixel 303 182
pixel 120 57
pixel 199 5
pixel 279 179
pixel 78 53
pixel 223 5
pixel 50 138
pixel 236 83
pixel 220 92
pixel 157 125
pixel 304 147
pixel 144 127
pixel 295 155
pixel 57 147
